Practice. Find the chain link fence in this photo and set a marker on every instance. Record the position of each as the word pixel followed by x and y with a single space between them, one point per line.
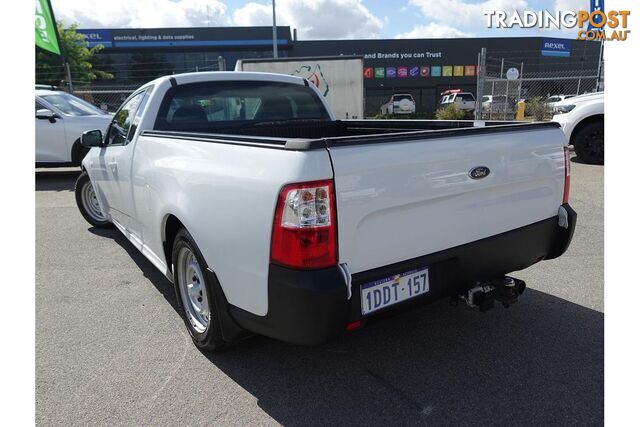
pixel 505 78
pixel 109 95
pixel 106 97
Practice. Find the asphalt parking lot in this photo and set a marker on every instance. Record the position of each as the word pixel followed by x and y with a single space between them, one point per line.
pixel 111 348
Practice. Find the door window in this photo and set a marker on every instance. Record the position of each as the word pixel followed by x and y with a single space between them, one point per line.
pixel 138 115
pixel 122 121
pixel 71 105
pixel 39 106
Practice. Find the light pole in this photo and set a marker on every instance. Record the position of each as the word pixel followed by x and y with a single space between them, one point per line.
pixel 275 32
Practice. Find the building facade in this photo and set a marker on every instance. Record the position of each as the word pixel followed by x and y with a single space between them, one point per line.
pixel 423 67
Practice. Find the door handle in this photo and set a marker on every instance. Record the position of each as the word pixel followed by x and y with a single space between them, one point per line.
pixel 113 166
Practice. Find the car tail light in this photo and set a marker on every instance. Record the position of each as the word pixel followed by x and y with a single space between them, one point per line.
pixel 354 325
pixel 567 176
pixel 304 226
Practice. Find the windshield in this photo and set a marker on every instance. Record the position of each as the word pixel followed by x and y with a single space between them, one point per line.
pixel 397 98
pixel 465 97
pixel 71 105
pixel 198 106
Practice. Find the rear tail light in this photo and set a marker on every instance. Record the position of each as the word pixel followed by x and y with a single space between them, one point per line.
pixel 304 226
pixel 354 325
pixel 567 175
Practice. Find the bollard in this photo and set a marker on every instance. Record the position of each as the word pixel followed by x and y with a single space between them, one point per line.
pixel 520 111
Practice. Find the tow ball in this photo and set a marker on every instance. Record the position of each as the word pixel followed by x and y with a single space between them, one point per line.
pixel 483 296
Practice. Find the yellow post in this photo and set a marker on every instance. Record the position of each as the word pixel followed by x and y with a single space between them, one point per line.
pixel 520 112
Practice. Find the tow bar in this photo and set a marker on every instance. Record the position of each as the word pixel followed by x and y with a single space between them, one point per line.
pixel 483 295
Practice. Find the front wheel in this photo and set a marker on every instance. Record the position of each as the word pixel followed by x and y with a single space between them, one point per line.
pixel 195 294
pixel 589 143
pixel 87 201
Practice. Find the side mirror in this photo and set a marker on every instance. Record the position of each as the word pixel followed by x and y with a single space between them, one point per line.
pixel 91 138
pixel 46 114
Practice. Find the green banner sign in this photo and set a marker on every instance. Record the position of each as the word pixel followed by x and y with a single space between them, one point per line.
pixel 45 28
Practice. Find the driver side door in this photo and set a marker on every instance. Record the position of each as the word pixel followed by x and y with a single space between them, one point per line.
pixel 51 144
pixel 114 162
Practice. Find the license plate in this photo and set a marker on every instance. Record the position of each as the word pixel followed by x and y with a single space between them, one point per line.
pixel 382 293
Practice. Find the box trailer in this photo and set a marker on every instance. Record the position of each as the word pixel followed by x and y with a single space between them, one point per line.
pixel 339 78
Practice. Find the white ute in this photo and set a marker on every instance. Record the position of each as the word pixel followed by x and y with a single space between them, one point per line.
pixel 582 120
pixel 272 217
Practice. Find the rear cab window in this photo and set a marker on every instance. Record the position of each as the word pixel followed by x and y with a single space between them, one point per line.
pixel 398 98
pixel 199 107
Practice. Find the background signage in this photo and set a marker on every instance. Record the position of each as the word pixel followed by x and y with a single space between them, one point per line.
pixel 513 73
pixel 555 47
pixel 96 37
pixel 181 37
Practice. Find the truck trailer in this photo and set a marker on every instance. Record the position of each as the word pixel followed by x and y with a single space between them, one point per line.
pixel 338 78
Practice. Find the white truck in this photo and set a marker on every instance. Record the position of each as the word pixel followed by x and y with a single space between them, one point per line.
pixel 271 216
pixel 465 101
pixel 339 79
pixel 582 121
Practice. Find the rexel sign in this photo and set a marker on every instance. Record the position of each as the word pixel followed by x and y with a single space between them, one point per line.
pixel 556 47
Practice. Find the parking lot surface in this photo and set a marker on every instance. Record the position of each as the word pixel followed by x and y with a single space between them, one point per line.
pixel 111 348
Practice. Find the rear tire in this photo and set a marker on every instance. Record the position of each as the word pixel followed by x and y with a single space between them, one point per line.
pixel 87 201
pixel 195 294
pixel 589 143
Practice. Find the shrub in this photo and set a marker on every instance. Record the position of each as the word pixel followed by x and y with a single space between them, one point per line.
pixel 451 112
pixel 536 108
pixel 380 116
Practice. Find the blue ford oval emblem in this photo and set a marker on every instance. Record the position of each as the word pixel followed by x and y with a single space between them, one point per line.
pixel 479 172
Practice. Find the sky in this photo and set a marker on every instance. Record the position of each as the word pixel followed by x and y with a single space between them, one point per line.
pixel 316 19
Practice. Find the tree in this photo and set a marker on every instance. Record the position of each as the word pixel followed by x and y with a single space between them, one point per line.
pixel 81 59
pixel 536 108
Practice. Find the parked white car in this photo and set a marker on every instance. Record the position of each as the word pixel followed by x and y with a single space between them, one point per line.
pixel 553 100
pixel 271 216
pixel 463 100
pixel 61 119
pixel 399 103
pixel 494 102
pixel 582 121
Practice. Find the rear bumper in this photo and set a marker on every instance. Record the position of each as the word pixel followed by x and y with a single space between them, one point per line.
pixel 311 306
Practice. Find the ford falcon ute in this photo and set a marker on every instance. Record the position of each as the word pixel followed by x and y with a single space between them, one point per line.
pixel 272 217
